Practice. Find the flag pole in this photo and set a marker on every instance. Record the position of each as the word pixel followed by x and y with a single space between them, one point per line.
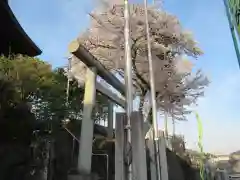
pixel 153 96
pixel 129 84
pixel 232 29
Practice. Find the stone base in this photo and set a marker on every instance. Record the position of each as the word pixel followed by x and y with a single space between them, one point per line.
pixel 80 177
pixel 76 175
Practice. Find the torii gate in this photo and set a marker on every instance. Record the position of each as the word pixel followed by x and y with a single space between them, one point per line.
pixel 138 127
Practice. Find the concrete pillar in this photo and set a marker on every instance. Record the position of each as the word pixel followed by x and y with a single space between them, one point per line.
pixel 119 146
pixel 85 149
pixel 138 147
pixel 153 167
pixel 163 157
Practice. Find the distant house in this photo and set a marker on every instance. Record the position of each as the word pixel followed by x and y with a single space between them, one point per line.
pixel 230 162
pixel 221 158
pixel 235 162
pixel 14 39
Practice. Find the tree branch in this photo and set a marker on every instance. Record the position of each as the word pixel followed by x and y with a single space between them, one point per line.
pixel 134 55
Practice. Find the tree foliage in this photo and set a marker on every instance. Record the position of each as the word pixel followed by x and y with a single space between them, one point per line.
pixel 176 86
pixel 34 97
pixel 27 80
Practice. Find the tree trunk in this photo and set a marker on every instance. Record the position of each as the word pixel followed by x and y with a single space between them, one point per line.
pixel 141 104
pixel 166 125
pixel 173 123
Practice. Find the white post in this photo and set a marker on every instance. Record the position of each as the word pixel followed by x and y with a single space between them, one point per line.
pixel 110 119
pixel 119 146
pixel 138 147
pixel 85 147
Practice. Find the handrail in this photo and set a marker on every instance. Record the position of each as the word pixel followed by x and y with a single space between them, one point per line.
pixel 73 136
pixel 103 154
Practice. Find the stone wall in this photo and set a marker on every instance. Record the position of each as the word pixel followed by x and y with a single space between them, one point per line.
pixel 66 153
pixel 178 168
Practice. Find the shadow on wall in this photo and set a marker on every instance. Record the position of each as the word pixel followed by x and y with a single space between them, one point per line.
pixel 180 169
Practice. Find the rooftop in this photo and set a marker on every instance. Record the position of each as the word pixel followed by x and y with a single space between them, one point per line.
pixel 13 38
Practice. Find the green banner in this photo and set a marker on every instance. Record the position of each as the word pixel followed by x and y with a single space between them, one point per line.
pixel 234 6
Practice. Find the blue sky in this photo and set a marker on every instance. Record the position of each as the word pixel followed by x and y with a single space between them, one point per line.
pixel 53 24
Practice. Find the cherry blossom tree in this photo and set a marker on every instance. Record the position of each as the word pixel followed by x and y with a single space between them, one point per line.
pixel 177 86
